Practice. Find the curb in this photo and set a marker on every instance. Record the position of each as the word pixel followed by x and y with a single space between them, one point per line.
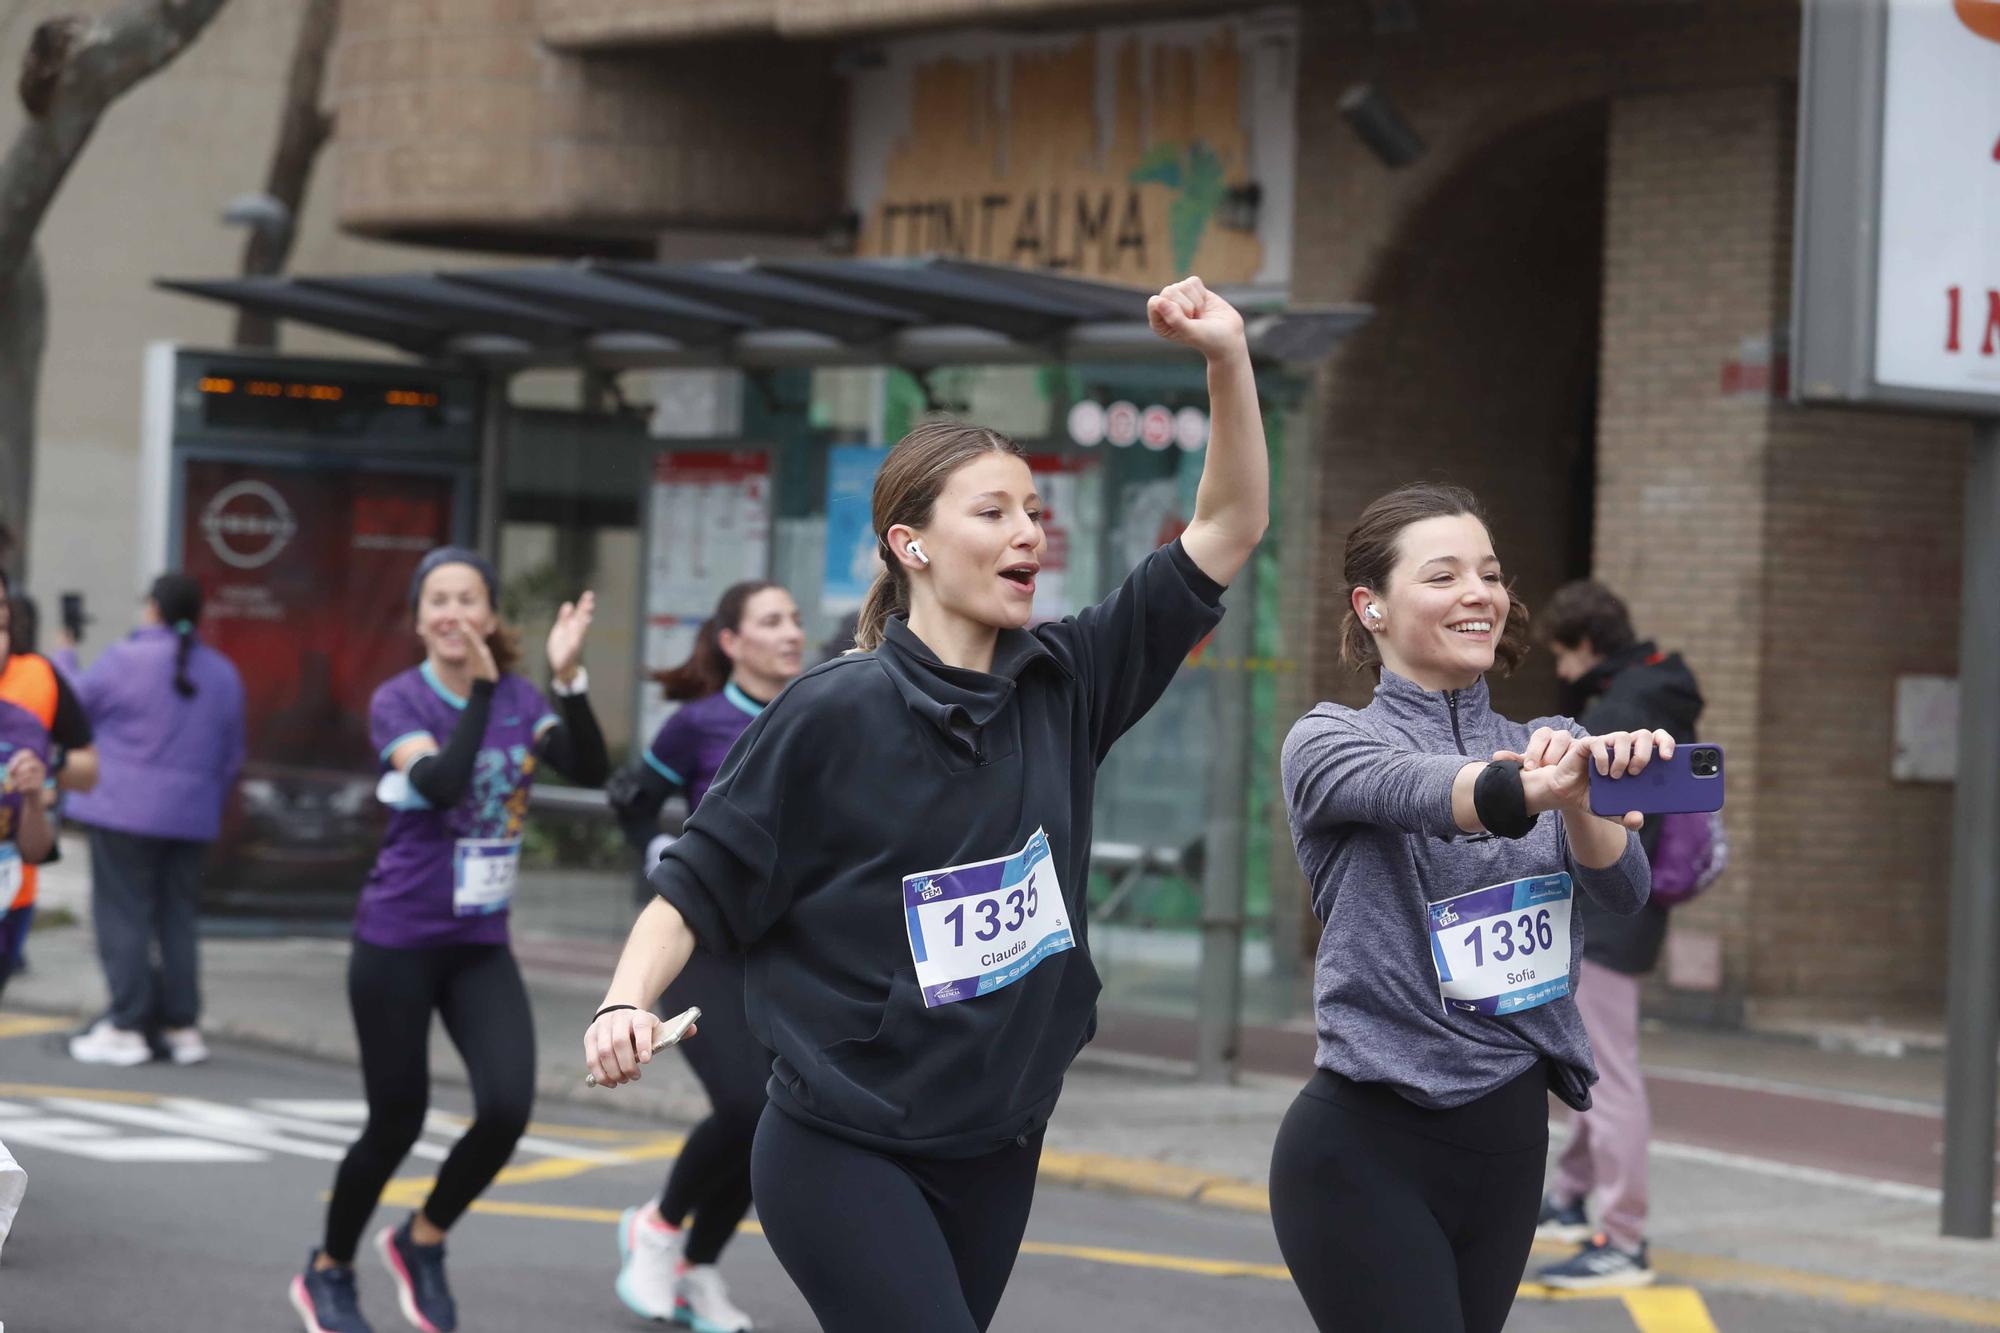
pixel 1151 1179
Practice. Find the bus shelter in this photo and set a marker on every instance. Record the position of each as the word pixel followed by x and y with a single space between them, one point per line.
pixel 725 422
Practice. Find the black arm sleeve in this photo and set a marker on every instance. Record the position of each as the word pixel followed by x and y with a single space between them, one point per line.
pixel 444 778
pixel 574 747
pixel 635 794
pixel 71 727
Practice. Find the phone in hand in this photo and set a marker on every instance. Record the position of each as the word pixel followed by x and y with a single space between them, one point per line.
pixel 1689 783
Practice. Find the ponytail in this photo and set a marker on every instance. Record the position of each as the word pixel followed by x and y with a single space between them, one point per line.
pixel 708 668
pixel 888 595
pixel 176 598
pixel 182 685
pixel 704 673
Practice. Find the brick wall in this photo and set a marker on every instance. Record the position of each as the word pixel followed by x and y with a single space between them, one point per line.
pixel 1800 559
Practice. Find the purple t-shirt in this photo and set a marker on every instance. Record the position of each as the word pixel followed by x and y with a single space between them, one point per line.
pixel 408 900
pixel 19 730
pixel 692 744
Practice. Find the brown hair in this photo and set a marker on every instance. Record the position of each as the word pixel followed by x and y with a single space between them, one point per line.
pixel 707 668
pixel 504 642
pixel 1375 544
pixel 906 491
pixel 1586 609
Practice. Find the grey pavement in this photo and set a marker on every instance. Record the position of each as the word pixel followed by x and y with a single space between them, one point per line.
pixel 1829 1228
pixel 176 1199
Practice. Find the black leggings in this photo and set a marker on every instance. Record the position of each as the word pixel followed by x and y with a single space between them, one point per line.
pixel 1393 1217
pixel 478 990
pixel 877 1242
pixel 711 1177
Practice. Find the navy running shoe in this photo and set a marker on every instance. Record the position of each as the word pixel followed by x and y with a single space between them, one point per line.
pixel 421 1291
pixel 324 1298
pixel 1566 1222
pixel 1599 1266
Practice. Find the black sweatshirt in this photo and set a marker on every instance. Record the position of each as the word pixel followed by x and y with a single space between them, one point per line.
pixel 1639 689
pixel 877 766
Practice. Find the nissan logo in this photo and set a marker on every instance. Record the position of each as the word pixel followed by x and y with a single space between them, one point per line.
pixel 247 524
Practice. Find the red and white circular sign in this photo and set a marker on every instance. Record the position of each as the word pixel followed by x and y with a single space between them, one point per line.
pixel 1086 423
pixel 1190 428
pixel 1156 427
pixel 1122 425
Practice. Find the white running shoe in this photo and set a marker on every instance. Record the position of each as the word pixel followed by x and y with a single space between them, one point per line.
pixel 704 1303
pixel 185 1045
pixel 649 1263
pixel 108 1045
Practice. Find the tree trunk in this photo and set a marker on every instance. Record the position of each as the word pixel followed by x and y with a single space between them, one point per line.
pixel 301 134
pixel 23 327
pixel 75 67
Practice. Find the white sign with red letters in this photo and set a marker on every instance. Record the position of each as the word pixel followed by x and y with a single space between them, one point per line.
pixel 1938 278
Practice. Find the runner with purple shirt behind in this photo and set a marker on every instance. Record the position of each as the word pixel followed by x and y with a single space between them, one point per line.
pixel 460 739
pixel 746 652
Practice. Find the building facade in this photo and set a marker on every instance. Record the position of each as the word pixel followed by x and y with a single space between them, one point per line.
pixel 1581 286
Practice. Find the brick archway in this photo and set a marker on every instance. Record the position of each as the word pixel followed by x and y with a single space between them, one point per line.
pixel 1480 368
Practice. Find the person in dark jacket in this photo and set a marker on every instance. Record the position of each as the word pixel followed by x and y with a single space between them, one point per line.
pixel 1614 682
pixel 899 846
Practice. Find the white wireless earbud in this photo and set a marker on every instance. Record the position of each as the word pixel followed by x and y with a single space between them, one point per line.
pixel 916 551
pixel 1374 612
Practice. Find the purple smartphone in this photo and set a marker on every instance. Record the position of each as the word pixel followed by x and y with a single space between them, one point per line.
pixel 1689 783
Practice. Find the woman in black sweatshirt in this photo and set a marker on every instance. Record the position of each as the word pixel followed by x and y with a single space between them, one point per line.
pixel 899 847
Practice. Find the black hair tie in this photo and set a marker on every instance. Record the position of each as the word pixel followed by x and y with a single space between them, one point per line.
pixel 611 1009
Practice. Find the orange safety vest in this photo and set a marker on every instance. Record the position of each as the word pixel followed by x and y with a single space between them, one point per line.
pixel 29 681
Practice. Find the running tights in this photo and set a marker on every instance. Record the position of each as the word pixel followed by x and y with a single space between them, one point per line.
pixel 876 1242
pixel 393 992
pixel 1398 1219
pixel 711 1177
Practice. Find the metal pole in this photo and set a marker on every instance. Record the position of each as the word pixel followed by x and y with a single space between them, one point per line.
pixel 1972 1033
pixel 492 487
pixel 1219 991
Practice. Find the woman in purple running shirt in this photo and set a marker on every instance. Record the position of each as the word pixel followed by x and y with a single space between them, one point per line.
pixel 460 739
pixel 746 652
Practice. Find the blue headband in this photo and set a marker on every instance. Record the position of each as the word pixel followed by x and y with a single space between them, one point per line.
pixel 454 555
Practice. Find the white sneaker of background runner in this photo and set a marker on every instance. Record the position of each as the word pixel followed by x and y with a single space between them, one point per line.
pixel 649 1276
pixel 108 1045
pixel 185 1045
pixel 705 1305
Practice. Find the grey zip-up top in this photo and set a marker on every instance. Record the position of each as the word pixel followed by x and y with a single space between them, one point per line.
pixel 1369 794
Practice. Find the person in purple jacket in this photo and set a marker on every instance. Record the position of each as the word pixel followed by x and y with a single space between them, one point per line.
pixel 461 738
pixel 743 656
pixel 168 715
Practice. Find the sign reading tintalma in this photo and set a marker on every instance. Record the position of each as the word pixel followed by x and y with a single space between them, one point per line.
pixel 1896 291
pixel 1938 279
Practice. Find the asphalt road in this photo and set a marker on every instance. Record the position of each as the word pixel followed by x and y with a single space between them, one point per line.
pixel 183 1199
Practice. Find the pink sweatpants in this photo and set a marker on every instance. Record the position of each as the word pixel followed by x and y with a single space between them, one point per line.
pixel 1606 1155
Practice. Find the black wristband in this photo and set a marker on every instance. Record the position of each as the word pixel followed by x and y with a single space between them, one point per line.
pixel 610 1009
pixel 1500 801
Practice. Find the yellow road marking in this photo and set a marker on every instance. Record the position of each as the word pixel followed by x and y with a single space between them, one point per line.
pixel 28 1025
pixel 411 1191
pixel 1175 1263
pixel 1703 1270
pixel 581 1133
pixel 1673 1302
pixel 85 1094
pixel 1668 1310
